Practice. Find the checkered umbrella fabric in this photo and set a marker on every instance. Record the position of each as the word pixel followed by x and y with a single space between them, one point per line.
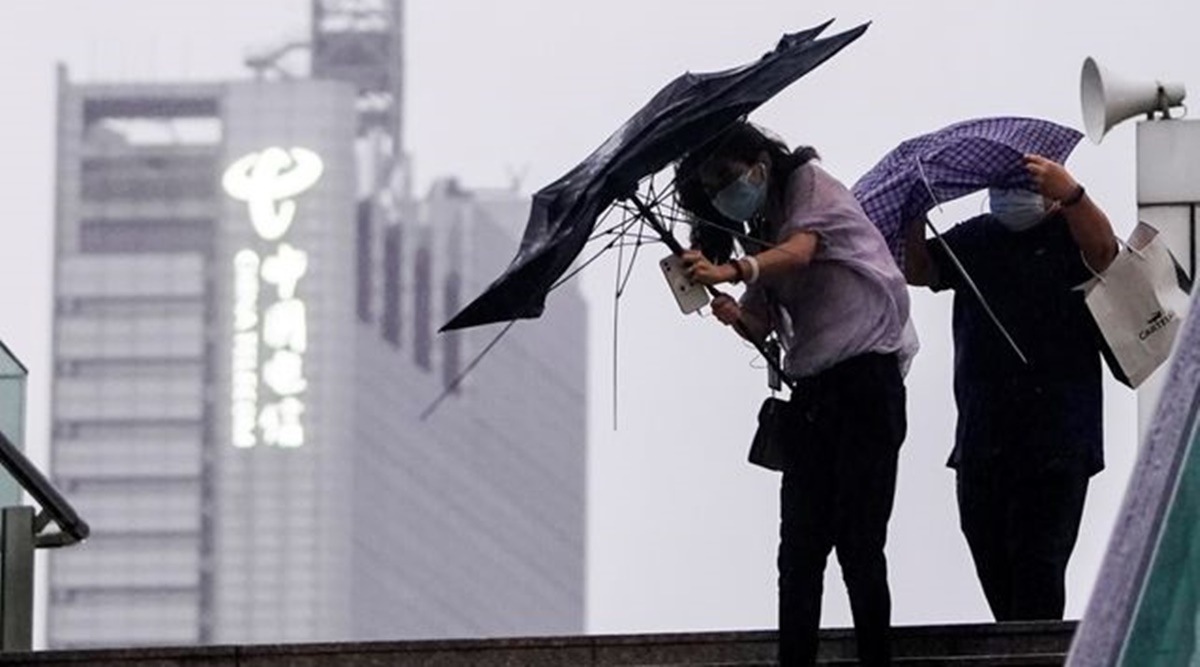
pixel 953 162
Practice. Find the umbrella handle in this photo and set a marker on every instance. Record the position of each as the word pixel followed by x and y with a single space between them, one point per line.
pixel 772 361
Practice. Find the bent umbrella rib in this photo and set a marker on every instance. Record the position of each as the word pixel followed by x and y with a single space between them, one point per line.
pixel 975 289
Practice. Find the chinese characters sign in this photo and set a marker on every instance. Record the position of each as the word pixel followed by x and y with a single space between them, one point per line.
pixel 270 330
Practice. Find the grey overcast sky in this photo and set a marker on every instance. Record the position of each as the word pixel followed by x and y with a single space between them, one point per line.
pixel 682 530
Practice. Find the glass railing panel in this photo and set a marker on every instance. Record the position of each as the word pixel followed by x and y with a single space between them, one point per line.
pixel 13 378
pixel 1165 621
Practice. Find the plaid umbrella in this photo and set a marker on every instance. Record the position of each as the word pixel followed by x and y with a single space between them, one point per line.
pixel 953 162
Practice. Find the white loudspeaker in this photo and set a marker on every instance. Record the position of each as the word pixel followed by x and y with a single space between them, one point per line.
pixel 1108 99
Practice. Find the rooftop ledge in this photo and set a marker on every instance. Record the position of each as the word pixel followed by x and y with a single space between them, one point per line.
pixel 1037 643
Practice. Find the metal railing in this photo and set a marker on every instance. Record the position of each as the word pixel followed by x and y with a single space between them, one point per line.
pixel 21 532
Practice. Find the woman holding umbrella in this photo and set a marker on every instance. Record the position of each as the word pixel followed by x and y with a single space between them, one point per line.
pixel 821 277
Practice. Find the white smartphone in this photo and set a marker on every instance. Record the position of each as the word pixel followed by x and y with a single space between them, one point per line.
pixel 689 295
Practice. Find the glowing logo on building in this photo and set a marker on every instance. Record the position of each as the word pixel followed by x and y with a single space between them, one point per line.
pixel 270 335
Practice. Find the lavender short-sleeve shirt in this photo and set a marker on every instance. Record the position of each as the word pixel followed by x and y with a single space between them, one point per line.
pixel 851 299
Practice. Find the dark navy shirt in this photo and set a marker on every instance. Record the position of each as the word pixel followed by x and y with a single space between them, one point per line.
pixel 1047 413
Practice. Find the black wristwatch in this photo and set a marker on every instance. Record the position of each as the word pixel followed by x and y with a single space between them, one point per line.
pixel 1075 198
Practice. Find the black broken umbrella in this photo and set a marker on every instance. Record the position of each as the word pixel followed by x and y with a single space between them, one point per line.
pixel 684 115
pixel 619 176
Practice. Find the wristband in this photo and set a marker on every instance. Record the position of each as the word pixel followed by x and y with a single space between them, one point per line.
pixel 753 273
pixel 1075 198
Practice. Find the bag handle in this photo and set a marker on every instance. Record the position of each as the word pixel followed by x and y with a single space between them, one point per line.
pixel 1124 245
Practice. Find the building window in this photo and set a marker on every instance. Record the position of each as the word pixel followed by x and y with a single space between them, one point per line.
pixel 363 243
pixel 422 311
pixel 146 236
pixel 391 285
pixel 451 341
pixel 141 178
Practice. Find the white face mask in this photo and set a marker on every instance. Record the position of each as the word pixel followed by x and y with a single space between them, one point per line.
pixel 1017 210
pixel 743 198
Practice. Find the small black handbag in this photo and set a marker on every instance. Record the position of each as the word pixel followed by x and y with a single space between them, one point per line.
pixel 776 426
pixel 776 416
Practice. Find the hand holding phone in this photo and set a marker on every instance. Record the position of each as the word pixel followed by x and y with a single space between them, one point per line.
pixel 690 296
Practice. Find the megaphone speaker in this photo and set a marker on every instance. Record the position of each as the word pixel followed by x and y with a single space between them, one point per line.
pixel 1109 99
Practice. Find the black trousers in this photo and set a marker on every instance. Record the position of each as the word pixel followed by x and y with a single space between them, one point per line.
pixel 839 481
pixel 1021 525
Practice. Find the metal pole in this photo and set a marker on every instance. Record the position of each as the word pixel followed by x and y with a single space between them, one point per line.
pixel 16 579
pixel 1168 191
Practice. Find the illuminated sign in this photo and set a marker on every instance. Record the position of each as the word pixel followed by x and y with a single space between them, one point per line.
pixel 270 335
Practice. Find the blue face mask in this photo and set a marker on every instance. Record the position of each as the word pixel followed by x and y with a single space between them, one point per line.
pixel 741 199
pixel 1017 210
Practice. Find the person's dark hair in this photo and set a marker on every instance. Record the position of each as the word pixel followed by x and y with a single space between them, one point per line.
pixel 743 142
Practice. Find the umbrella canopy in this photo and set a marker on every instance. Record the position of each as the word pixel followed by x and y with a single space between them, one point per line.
pixel 953 162
pixel 682 116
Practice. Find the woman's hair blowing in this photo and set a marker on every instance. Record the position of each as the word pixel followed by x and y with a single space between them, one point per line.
pixel 713 233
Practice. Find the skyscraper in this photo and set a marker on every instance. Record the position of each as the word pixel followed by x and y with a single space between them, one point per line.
pixel 247 299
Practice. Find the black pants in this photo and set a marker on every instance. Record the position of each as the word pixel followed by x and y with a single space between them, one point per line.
pixel 1021 526
pixel 839 481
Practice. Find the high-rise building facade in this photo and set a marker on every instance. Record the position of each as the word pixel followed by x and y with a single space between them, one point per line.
pixel 247 301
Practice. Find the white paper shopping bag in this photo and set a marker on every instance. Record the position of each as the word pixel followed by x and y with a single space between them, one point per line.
pixel 1138 304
